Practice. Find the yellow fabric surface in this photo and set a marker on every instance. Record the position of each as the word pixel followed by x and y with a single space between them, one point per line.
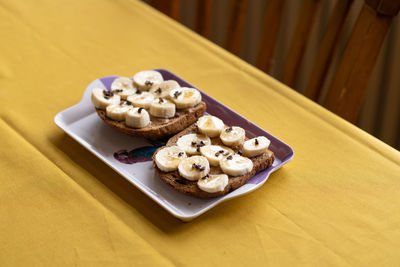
pixel 336 203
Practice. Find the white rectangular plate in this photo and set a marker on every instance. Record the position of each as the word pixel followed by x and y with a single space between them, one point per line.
pixel 131 156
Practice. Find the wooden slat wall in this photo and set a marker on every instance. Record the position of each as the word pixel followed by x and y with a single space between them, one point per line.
pixel 385 121
pixel 236 23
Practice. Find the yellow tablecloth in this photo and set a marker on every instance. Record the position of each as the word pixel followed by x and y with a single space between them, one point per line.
pixel 336 203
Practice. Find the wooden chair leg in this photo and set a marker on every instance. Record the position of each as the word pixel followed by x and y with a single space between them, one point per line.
pixel 203 20
pixel 346 93
pixel 237 19
pixel 327 49
pixel 171 8
pixel 296 50
pixel 272 20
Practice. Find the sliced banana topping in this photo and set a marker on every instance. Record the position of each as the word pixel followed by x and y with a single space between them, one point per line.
pixel 102 98
pixel 255 146
pixel 193 168
pixel 147 79
pixel 118 111
pixel 213 183
pixel 192 143
pixel 215 153
pixel 123 87
pixel 210 125
pixel 233 136
pixel 185 97
pixel 236 165
pixel 168 158
pixel 137 118
pixel 162 108
pixel 141 99
pixel 164 88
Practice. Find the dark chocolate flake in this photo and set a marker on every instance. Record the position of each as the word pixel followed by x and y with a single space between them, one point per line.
pixel 140 110
pixel 217 154
pixel 205 177
pixel 160 100
pixel 194 143
pixel 177 93
pixel 148 83
pixel 180 154
pixel 256 141
pixel 158 91
pixel 202 168
pixel 228 129
pixel 138 92
pixel 128 103
pixel 229 157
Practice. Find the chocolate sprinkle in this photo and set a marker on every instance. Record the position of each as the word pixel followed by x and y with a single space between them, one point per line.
pixel 140 110
pixel 148 83
pixel 228 129
pixel 117 91
pixel 229 157
pixel 239 153
pixel 217 154
pixel 198 149
pixel 138 92
pixel 128 103
pixel 158 91
pixel 160 100
pixel 194 143
pixel 177 93
pixel 205 177
pixel 256 142
pixel 198 167
pixel 180 154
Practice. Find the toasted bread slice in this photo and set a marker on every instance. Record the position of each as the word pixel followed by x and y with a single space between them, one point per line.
pixel 185 186
pixel 159 128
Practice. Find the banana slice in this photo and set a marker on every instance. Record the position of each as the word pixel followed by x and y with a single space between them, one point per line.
pixel 255 146
pixel 168 159
pixel 141 99
pixel 118 111
pixel 193 168
pixel 137 118
pixel 147 79
pixel 185 97
pixel 192 143
pixel 164 88
pixel 123 87
pixel 162 108
pixel 213 183
pixel 236 165
pixel 215 153
pixel 103 98
pixel 233 136
pixel 210 125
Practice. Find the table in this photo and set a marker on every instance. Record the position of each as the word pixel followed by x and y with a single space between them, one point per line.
pixel 336 203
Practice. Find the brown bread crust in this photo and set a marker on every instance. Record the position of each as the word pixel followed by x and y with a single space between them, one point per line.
pixel 159 128
pixel 185 186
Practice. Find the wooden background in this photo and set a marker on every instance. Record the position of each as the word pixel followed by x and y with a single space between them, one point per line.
pixel 380 114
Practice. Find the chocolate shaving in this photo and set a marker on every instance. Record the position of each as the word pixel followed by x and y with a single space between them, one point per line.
pixel 148 83
pixel 198 167
pixel 228 129
pixel 177 93
pixel 217 154
pixel 198 149
pixel 239 153
pixel 226 153
pixel 256 141
pixel 194 143
pixel 117 91
pixel 158 91
pixel 205 177
pixel 180 154
pixel 107 94
pixel 140 110
pixel 229 157
pixel 128 103
pixel 138 92
pixel 160 100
